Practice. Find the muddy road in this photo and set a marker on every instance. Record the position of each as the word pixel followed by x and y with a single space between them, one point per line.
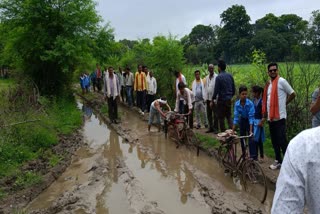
pixel 124 169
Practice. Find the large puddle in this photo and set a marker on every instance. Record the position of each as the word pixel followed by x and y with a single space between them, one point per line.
pixel 154 161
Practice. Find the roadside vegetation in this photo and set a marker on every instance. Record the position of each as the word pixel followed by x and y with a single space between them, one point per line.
pixel 29 129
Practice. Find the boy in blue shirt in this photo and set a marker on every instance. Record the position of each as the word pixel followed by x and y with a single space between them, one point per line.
pixel 244 117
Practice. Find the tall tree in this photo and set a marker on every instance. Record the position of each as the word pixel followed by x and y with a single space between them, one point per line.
pixel 314 35
pixel 235 29
pixel 48 38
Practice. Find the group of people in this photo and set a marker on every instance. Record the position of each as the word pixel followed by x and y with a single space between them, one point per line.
pixel 211 100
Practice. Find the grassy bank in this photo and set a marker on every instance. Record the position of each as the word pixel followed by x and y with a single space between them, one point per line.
pixel 28 130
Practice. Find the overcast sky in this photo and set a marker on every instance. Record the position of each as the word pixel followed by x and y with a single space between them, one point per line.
pixel 138 19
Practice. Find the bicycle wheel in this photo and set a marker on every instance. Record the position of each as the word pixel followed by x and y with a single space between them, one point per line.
pixel 254 180
pixel 223 156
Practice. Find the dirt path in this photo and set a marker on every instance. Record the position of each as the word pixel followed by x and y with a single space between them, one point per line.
pixel 140 172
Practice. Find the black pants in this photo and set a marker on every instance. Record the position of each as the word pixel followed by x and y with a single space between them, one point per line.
pixel 244 126
pixel 99 83
pixel 213 123
pixel 122 93
pixel 112 108
pixel 278 137
pixel 224 112
pixel 150 99
pixel 141 100
pixel 190 116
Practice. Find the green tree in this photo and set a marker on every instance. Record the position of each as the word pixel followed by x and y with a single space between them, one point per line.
pixel 166 57
pixel 48 39
pixel 234 31
pixel 314 35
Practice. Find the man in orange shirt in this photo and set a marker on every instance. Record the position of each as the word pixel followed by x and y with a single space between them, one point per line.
pixel 140 87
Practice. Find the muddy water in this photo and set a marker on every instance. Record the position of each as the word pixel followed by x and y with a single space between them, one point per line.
pixel 110 175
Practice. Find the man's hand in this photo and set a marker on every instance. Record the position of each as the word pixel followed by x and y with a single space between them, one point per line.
pixel 211 104
pixel 261 123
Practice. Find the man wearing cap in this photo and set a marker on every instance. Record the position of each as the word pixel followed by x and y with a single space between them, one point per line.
pixel 155 111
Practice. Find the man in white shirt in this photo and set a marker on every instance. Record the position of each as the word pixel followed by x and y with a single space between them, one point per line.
pixel 129 81
pixel 209 91
pixel 187 96
pixel 111 91
pixel 199 106
pixel 151 89
pixel 180 78
pixel 298 182
pixel 277 95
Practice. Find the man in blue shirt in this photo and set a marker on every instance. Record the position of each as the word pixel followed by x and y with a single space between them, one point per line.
pixel 224 90
pixel 244 117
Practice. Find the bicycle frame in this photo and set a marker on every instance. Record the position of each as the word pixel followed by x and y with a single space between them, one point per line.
pixel 234 164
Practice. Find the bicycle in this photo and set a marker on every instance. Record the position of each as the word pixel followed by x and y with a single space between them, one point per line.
pixel 177 127
pixel 248 170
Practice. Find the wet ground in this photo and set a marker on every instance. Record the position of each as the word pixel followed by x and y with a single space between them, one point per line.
pixel 141 172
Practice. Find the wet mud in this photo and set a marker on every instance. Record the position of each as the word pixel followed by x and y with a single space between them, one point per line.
pixel 123 168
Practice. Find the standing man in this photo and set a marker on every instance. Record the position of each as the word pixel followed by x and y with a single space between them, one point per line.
pixel 93 78
pixel 209 90
pixel 188 98
pixel 315 107
pixel 129 86
pixel 180 78
pixel 98 77
pixel 276 96
pixel 224 90
pixel 199 106
pixel 111 91
pixel 151 89
pixel 140 86
pixel 121 80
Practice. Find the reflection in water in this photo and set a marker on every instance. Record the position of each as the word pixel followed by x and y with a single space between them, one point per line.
pixel 113 152
pixel 87 112
pixel 186 183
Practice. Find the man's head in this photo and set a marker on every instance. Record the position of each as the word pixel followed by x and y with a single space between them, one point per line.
pixel 243 92
pixel 273 70
pixel 127 70
pixel 139 68
pixel 221 65
pixel 110 70
pixel 150 73
pixel 211 69
pixel 181 87
pixel 163 101
pixel 197 74
pixel 177 74
pixel 145 69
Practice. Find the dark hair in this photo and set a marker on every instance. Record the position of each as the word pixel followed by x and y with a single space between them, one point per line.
pixel 257 89
pixel 181 85
pixel 176 73
pixel 221 64
pixel 272 64
pixel 139 65
pixel 128 69
pixel 196 71
pixel 110 67
pixel 242 88
pixel 163 98
pixel 144 66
